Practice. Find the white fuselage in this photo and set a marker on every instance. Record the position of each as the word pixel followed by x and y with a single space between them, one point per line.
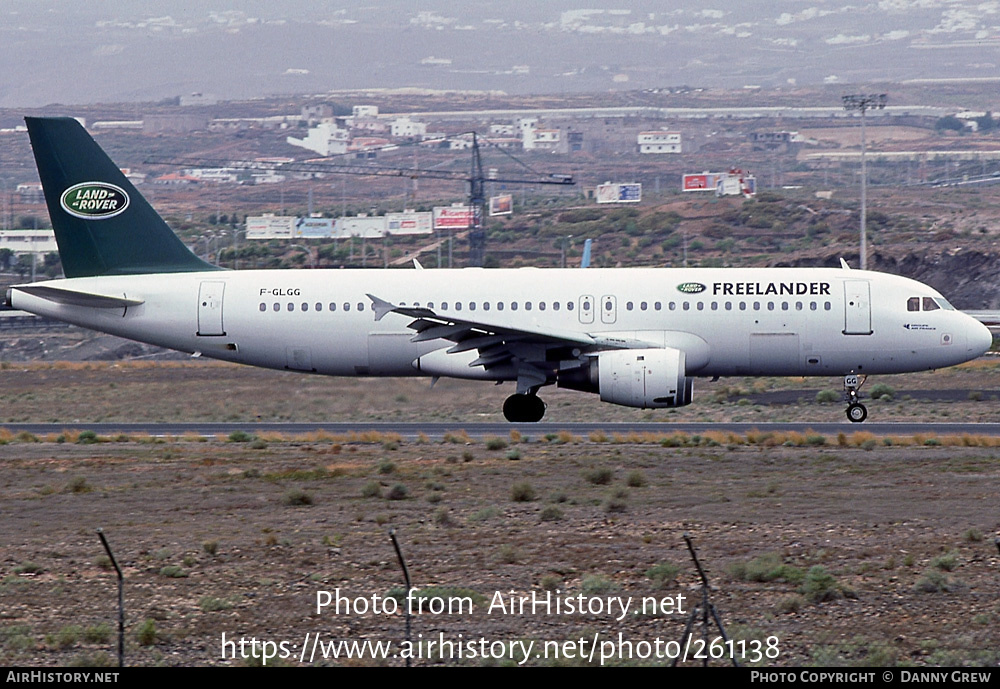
pixel 728 321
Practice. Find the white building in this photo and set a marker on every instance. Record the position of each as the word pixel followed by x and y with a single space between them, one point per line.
pixel 659 142
pixel 535 139
pixel 364 111
pixel 28 241
pixel 405 128
pixel 326 138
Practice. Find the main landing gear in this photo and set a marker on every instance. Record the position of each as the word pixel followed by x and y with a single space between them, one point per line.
pixel 856 412
pixel 524 408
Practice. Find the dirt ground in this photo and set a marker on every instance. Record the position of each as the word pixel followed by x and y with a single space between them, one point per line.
pixel 822 551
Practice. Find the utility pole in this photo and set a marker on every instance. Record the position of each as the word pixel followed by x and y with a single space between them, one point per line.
pixel 863 102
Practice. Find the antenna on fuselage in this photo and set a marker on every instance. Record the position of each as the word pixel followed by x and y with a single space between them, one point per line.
pixel 843 264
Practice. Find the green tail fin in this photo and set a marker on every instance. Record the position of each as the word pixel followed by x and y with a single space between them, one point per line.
pixel 103 226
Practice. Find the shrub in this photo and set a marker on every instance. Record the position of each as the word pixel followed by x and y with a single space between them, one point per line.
pixel 820 585
pixel 146 634
pixel 210 547
pixel 522 491
pixel 766 567
pixel 880 390
pixel 398 492
pixel 372 489
pixel 826 396
pixel 663 574
pixel 240 437
pixel 599 476
pixel 173 572
pixel 296 497
pixel 495 443
pixel 635 479
pixel 551 514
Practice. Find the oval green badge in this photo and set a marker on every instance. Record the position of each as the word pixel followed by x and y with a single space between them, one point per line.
pixel 691 287
pixel 94 200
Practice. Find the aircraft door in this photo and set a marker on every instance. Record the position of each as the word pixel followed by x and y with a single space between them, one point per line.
pixel 857 307
pixel 609 309
pixel 210 308
pixel 586 309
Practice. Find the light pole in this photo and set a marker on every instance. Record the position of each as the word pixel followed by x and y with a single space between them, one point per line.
pixel 864 102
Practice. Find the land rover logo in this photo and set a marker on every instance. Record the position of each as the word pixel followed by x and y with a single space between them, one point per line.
pixel 94 200
pixel 691 287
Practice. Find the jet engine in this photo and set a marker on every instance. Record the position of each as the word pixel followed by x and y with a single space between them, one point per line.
pixel 642 378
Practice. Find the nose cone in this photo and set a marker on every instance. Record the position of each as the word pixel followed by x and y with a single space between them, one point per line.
pixel 980 338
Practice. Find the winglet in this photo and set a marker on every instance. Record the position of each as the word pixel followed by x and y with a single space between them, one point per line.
pixel 381 306
pixel 843 264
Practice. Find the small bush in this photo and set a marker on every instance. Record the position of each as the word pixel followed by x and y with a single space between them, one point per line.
pixel 764 568
pixel 386 467
pixel 241 437
pixel 972 535
pixel 636 479
pixel 173 572
pixel 826 396
pixel 98 633
pixel 597 584
pixel 146 634
pixel 496 444
pixel 819 585
pixel 210 547
pixel 551 514
pixel 508 554
pixel 934 581
pixel 398 492
pixel 880 390
pixel 296 497
pixel 372 489
pixel 212 604
pixel 663 574
pixel 78 484
pixel 513 454
pixel 86 438
pixel 522 492
pixel 599 476
pixel 945 563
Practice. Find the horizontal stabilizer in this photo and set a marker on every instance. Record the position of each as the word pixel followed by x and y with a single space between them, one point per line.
pixel 75 298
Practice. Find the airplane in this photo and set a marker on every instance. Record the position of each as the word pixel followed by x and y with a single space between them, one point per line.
pixel 635 336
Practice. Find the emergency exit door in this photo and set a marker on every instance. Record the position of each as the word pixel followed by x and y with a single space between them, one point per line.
pixel 210 308
pixel 857 307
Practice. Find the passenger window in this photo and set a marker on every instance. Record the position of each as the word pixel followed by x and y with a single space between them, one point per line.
pixel 499 306
pixel 672 306
pixel 291 306
pixel 628 305
pixel 756 306
pixel 812 306
pixel 729 306
pixel 798 306
pixel 743 306
pixel 913 304
pixel 686 306
pixel 784 306
pixel 347 307
pixel 527 306
pixel 472 306
pixel 930 304
pixel 444 306
pixel 657 306
pixel 569 305
pixel 277 306
pixel 486 306
pixel 555 305
pixel 263 306
pixel 715 306
pixel 305 306
pixel 586 306
pixel 827 306
pixel 513 306
pixel 541 306
pixel 361 306
pixel 642 306
pixel 333 307
pixel 458 306
pixel 701 306
pixel 319 306
pixel 770 306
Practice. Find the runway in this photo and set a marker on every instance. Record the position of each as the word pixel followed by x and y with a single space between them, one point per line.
pixel 438 431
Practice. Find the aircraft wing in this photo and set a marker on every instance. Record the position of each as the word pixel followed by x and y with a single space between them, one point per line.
pixel 530 349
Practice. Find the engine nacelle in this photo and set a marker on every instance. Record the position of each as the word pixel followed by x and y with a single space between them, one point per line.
pixel 642 378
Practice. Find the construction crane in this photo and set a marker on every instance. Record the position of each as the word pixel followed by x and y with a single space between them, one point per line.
pixel 475 180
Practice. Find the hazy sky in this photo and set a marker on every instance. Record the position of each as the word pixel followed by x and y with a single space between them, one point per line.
pixel 74 51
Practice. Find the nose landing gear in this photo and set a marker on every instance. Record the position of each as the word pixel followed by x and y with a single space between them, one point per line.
pixel 524 408
pixel 856 412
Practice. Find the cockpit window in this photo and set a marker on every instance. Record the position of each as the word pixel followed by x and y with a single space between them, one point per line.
pixel 913 304
pixel 943 303
pixel 930 304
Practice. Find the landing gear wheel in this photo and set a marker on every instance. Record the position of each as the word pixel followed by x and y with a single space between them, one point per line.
pixel 523 408
pixel 857 412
